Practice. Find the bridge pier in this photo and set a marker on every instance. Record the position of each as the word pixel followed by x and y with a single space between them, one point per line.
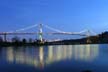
pixel 88 40
pixel 88 37
pixel 41 34
pixel 5 37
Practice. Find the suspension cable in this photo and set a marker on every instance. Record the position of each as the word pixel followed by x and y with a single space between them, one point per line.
pixel 26 28
pixel 53 29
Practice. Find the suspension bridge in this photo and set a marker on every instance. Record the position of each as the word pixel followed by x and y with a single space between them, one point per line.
pixel 40 32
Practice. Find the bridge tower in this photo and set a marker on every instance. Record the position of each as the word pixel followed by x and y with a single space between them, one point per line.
pixel 5 37
pixel 88 37
pixel 40 33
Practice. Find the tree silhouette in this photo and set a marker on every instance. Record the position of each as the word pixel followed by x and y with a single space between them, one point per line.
pixel 1 39
pixel 24 40
pixel 15 39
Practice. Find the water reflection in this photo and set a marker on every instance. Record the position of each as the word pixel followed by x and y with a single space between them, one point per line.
pixel 46 55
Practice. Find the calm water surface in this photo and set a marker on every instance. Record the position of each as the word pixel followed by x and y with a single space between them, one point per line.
pixel 55 58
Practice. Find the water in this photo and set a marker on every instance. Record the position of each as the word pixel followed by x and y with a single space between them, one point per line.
pixel 55 58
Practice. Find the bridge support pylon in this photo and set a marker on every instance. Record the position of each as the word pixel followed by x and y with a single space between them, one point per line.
pixel 41 34
pixel 88 37
pixel 5 37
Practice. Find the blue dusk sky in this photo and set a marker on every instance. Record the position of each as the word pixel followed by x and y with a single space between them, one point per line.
pixel 66 15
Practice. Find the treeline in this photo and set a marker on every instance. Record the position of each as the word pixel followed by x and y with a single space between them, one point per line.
pixel 17 39
pixel 98 39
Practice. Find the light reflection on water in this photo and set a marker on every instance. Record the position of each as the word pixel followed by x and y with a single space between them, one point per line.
pixel 42 56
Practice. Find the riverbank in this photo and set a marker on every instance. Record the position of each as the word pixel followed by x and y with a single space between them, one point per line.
pixel 6 44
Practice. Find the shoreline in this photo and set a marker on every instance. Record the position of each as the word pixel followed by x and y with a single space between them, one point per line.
pixel 7 44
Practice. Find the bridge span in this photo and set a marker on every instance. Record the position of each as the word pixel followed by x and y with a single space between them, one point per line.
pixel 40 33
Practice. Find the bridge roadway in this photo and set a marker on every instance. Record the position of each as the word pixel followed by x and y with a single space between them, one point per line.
pixel 33 33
